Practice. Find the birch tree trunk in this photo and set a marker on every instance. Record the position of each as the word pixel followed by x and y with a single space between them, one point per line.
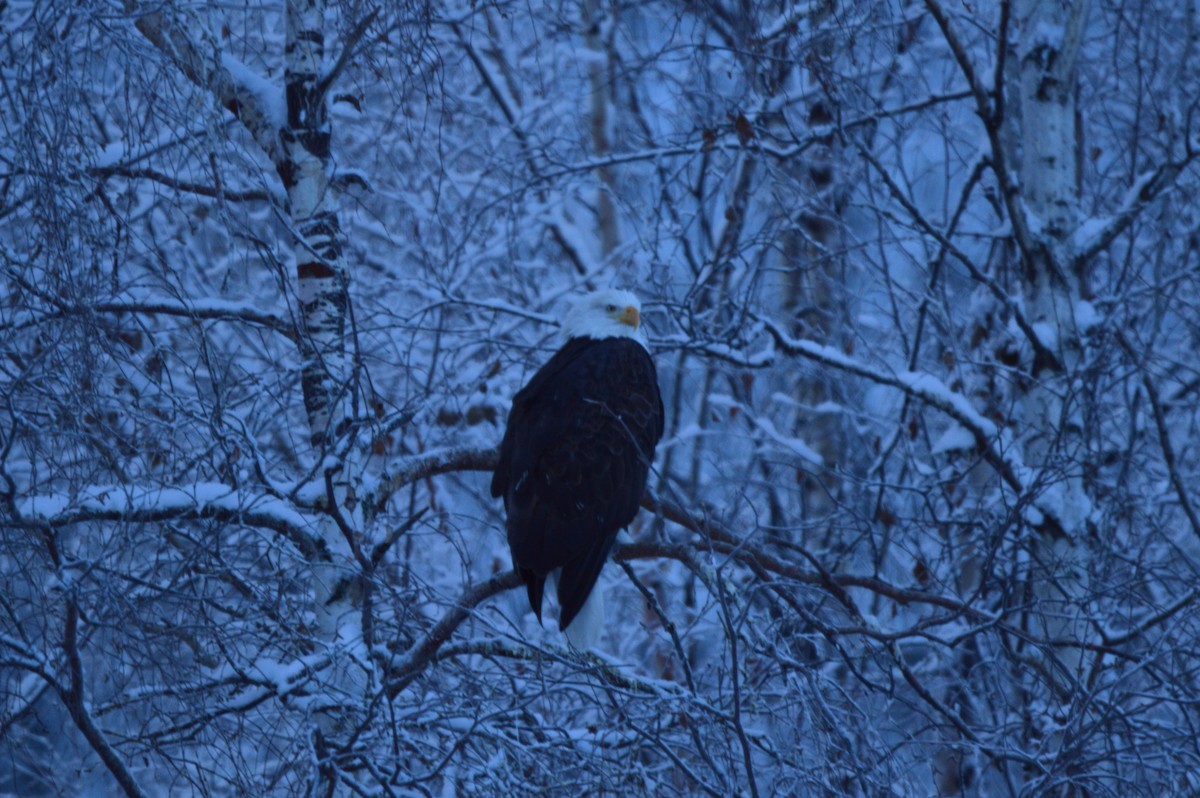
pixel 598 29
pixel 814 270
pixel 322 288
pixel 1051 35
pixel 305 169
pixel 299 146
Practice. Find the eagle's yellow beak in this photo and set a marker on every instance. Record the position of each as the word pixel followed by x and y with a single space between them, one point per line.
pixel 630 316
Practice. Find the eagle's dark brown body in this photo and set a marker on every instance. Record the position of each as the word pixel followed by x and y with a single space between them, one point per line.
pixel 574 461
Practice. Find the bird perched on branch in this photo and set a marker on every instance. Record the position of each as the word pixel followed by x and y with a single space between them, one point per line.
pixel 576 455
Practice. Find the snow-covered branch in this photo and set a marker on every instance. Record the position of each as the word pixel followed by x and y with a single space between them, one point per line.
pixel 249 97
pixel 209 309
pixel 990 440
pixel 141 504
pixel 183 185
pixel 427 464
pixel 1096 235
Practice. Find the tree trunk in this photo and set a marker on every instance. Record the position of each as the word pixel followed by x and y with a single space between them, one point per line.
pixel 322 286
pixel 1051 36
pixel 599 124
pixel 299 146
pixel 812 274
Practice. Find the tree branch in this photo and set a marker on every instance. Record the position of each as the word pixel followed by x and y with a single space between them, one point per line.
pixel 422 652
pixel 427 464
pixel 992 119
pixel 171 35
pixel 73 698
pixel 155 503
pixel 1164 441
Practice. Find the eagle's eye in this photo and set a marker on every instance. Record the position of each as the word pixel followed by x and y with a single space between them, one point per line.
pixel 610 308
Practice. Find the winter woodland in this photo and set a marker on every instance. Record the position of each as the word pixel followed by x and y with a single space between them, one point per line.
pixel 921 278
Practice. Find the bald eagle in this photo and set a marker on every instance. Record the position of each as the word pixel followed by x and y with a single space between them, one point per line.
pixel 576 454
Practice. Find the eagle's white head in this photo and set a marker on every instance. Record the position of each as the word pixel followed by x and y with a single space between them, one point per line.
pixel 611 313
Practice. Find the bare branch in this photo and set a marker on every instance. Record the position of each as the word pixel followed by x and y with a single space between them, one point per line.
pixel 1164 440
pixel 73 698
pixel 421 653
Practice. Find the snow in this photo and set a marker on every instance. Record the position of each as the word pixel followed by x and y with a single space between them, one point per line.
pixel 111 155
pixel 158 472
pixel 107 501
pixel 953 438
pixel 268 95
pixel 1046 35
pixel 207 307
pixel 1069 505
pixel 793 444
pixel 1086 316
pixel 1092 231
pixel 283 678
pixel 1047 334
pixel 933 390
pixel 1089 232
pixel 1033 221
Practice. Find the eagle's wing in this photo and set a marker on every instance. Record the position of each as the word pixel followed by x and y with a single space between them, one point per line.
pixel 574 461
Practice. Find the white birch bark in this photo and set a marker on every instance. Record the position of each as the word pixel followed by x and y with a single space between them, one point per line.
pixel 599 123
pixel 813 270
pixel 1051 34
pixel 322 283
pixel 305 169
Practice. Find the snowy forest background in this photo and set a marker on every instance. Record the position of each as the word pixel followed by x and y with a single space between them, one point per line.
pixel 921 280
